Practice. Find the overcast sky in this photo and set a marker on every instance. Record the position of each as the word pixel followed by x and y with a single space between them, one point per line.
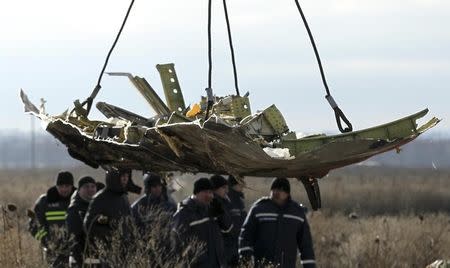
pixel 383 59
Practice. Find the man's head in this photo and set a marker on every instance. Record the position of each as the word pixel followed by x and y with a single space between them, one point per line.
pixel 124 178
pixel 280 191
pixel 87 188
pixel 234 184
pixel 153 184
pixel 115 181
pixel 220 185
pixel 203 191
pixel 64 183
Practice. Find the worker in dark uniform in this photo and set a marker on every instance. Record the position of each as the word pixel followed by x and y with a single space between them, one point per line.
pixel 238 214
pixel 75 216
pixel 109 212
pixel 276 229
pixel 48 225
pixel 153 203
pixel 220 188
pixel 201 217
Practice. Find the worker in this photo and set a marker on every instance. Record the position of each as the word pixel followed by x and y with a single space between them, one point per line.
pixel 48 224
pixel 202 218
pixel 276 229
pixel 108 215
pixel 238 214
pixel 75 215
pixel 153 203
pixel 220 188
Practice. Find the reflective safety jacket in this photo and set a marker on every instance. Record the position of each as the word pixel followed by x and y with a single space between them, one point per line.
pixel 50 210
pixel 277 234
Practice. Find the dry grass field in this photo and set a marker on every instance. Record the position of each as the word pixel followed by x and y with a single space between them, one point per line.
pixel 399 217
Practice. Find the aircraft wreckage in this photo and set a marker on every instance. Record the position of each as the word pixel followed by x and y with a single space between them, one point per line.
pixel 231 141
pixel 217 135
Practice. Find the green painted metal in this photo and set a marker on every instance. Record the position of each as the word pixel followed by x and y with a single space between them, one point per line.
pixel 150 96
pixel 240 107
pixel 232 108
pixel 147 92
pixel 269 124
pixel 398 129
pixel 171 86
pixel 276 120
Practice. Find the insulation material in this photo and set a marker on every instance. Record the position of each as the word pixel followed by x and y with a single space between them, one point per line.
pixel 279 153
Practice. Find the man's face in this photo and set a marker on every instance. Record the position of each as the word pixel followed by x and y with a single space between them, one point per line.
pixel 87 191
pixel 156 190
pixel 279 197
pixel 124 178
pixel 64 190
pixel 222 191
pixel 205 197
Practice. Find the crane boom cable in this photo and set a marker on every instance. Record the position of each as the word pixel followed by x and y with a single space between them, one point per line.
pixel 209 93
pixel 337 111
pixel 97 88
pixel 230 41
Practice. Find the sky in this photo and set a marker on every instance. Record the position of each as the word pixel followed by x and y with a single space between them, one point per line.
pixel 383 59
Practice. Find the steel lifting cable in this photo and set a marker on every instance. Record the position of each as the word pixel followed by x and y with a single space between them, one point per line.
pixel 97 88
pixel 209 45
pixel 233 59
pixel 209 93
pixel 337 111
pixel 230 40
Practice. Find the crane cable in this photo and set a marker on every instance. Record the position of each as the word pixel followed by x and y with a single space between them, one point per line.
pixel 339 114
pixel 209 93
pixel 230 40
pixel 97 88
pixel 337 111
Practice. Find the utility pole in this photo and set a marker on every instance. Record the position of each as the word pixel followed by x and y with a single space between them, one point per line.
pixel 2 153
pixel 33 145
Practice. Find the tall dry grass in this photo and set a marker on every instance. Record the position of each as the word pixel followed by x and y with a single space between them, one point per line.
pixel 17 247
pixel 381 241
pixel 400 218
pixel 372 191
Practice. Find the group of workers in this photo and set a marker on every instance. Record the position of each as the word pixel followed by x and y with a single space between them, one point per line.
pixel 71 223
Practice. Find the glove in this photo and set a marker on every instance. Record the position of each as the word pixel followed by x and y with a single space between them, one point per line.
pixel 246 260
pixel 30 214
pixel 216 208
pixel 102 219
pixel 44 241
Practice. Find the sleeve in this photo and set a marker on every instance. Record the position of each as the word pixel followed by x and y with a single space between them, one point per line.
pixel 75 228
pixel 91 224
pixel 136 213
pixel 171 206
pixel 305 246
pixel 248 235
pixel 74 222
pixel 180 231
pixel 225 221
pixel 38 225
pixel 243 215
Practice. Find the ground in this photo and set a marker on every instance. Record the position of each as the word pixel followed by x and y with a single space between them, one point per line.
pixel 371 216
